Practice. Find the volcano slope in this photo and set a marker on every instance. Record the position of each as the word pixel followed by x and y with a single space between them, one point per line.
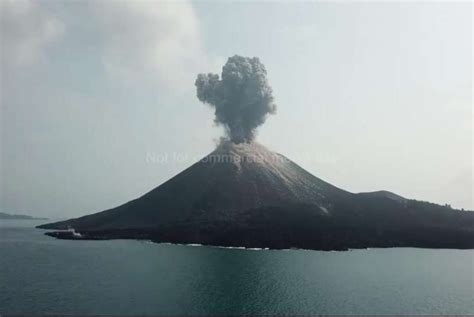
pixel 245 195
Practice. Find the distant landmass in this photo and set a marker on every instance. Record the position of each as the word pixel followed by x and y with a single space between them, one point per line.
pixel 5 216
pixel 245 195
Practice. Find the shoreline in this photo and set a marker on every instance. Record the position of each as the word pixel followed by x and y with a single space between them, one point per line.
pixel 248 245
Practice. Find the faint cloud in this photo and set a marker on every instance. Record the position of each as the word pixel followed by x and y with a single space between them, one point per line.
pixel 26 30
pixel 156 40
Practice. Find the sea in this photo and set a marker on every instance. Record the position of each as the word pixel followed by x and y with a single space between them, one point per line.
pixel 43 275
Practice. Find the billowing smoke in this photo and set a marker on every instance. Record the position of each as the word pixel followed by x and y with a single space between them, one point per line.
pixel 242 97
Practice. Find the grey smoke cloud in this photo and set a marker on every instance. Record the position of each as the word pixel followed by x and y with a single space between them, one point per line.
pixel 242 97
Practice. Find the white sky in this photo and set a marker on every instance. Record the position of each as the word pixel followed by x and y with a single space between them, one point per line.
pixel 370 96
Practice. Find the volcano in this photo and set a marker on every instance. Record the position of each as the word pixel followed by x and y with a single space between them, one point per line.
pixel 245 195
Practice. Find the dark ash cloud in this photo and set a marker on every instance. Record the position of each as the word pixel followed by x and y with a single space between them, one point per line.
pixel 242 97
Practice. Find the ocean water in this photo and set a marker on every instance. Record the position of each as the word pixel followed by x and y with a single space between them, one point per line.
pixel 39 274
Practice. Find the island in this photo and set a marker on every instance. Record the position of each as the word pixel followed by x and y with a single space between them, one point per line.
pixel 244 195
pixel 5 216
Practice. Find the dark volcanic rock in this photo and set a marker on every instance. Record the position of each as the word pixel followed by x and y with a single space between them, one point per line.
pixel 245 195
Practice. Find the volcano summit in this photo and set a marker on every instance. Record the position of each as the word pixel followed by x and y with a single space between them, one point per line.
pixel 243 194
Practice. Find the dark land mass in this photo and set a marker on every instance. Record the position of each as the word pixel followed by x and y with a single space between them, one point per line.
pixel 5 216
pixel 245 195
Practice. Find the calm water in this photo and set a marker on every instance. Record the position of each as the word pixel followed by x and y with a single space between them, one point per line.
pixel 39 274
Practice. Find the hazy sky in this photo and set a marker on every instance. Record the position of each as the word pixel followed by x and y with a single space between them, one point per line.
pixel 98 100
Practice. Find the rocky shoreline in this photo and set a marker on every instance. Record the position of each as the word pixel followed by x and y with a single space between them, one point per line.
pixel 327 240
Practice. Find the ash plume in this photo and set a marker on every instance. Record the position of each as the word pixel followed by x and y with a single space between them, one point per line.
pixel 242 97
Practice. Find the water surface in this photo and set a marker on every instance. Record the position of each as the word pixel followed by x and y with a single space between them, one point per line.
pixel 39 274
